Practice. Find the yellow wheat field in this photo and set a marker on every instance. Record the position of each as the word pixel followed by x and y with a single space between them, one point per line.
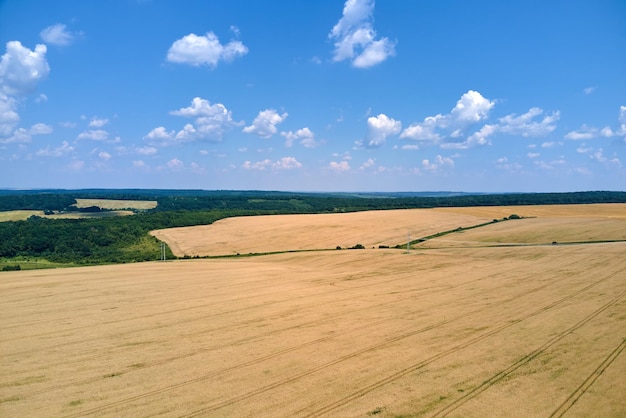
pixel 117 204
pixel 464 331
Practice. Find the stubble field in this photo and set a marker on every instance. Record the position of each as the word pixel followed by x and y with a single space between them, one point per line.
pixel 460 326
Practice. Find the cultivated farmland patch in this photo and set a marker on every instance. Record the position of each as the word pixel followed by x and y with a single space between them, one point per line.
pixel 449 331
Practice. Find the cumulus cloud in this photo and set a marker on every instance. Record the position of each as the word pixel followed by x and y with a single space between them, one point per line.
pixel 23 136
pixel 98 122
pixel 265 123
pixel 526 125
pixel 94 135
pixel 379 128
pixel 438 163
pixel 355 37
pixel 368 164
pixel 588 132
pixel 204 50
pixel 285 163
pixel 57 35
pixel 103 155
pixel 159 135
pixel 175 164
pixel 146 150
pixel 9 118
pixel 64 149
pixel 211 120
pixel 211 123
pixel 340 166
pixel 471 108
pixel 21 69
pixel 304 135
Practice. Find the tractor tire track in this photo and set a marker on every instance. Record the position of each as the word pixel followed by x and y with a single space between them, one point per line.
pixel 534 354
pixel 405 371
pixel 298 376
pixel 288 350
pixel 589 381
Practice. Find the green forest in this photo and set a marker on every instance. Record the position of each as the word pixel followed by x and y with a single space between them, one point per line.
pixel 126 239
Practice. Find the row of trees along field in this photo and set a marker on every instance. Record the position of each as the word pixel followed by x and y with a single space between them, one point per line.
pixel 126 239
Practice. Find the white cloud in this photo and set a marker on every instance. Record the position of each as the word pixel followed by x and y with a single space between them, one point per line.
pixel 204 50
pixel 67 124
pixel 98 122
pixel 42 98
pixel 199 107
pixel 586 132
pixel 285 163
pixel 305 135
pixel 9 118
pixel 598 155
pixel 379 128
pixel 368 164
pixel 533 155
pixel 19 136
pixel 146 150
pixel 503 164
pixel 175 164
pixel 22 69
pixel 471 108
pixel 590 89
pixel 159 135
pixel 481 137
pixel 104 155
pixel 355 37
pixel 40 129
pixel 424 131
pixel 94 135
pixel 212 121
pixel 439 163
pixel 265 123
pixel 259 165
pixel 23 136
pixel 64 149
pixel 579 135
pixel 139 164
pixel 526 126
pixel 57 35
pixel 341 166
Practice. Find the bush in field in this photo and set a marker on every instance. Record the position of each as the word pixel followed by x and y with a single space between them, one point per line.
pixel 514 216
pixel 12 268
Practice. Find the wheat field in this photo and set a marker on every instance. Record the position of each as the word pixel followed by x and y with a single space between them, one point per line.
pixel 446 330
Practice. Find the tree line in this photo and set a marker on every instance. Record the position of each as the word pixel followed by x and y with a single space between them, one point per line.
pixel 126 239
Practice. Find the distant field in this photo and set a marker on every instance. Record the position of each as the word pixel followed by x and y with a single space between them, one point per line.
pixel 305 232
pixel 327 231
pixel 117 204
pixel 460 329
pixel 20 215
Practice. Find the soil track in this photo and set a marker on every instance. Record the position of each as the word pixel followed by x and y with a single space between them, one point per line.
pixel 475 331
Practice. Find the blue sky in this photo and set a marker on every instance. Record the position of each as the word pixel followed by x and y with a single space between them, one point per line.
pixel 489 96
